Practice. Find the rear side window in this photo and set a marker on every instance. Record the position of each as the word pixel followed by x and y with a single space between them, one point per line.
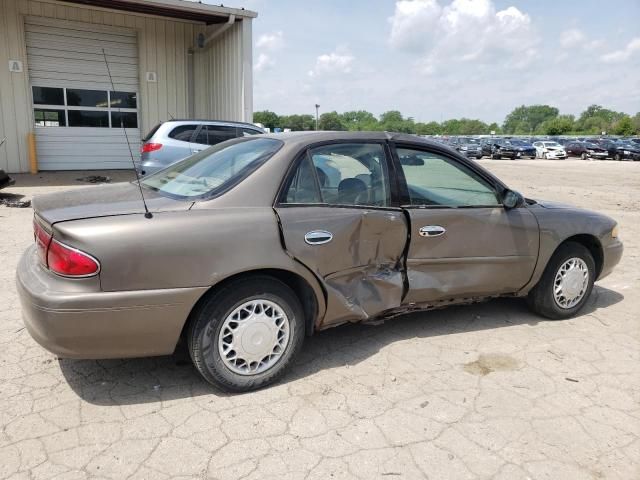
pixel 183 132
pixel 246 132
pixel 214 170
pixel 151 133
pixel 212 134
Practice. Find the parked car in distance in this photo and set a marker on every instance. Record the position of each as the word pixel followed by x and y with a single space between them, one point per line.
pixel 468 146
pixel 174 140
pixel 627 151
pixel 585 150
pixel 549 150
pixel 254 243
pixel 511 148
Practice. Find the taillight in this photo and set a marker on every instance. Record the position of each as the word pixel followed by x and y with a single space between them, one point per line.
pixel 43 239
pixel 70 262
pixel 150 147
pixel 60 258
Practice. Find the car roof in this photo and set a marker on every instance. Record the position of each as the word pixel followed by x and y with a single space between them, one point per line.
pixel 183 121
pixel 328 136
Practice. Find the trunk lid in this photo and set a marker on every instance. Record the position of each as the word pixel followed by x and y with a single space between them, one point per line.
pixel 102 201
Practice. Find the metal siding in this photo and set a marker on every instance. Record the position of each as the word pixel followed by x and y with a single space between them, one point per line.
pixel 220 91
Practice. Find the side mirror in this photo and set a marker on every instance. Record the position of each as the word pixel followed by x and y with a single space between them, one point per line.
pixel 512 199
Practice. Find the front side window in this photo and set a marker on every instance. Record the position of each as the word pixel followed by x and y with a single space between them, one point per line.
pixel 342 174
pixel 437 181
pixel 212 134
pixel 212 171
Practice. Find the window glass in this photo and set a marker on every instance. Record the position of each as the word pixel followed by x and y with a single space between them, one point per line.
pixel 151 133
pixel 48 96
pixel 352 174
pixel 86 98
pixel 213 170
pixel 212 135
pixel 124 119
pixel 435 180
pixel 88 118
pixel 183 132
pixel 304 187
pixel 246 132
pixel 123 100
pixel 49 118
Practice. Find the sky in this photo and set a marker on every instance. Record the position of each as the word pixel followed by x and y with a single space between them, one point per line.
pixel 441 59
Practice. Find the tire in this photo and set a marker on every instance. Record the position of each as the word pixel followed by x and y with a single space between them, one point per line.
pixel 541 298
pixel 214 312
pixel 546 156
pixel 478 157
pixel 584 156
pixel 617 157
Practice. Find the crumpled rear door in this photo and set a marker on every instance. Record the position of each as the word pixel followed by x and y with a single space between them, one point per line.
pixel 356 252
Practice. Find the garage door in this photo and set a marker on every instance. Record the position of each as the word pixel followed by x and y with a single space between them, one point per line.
pixel 81 121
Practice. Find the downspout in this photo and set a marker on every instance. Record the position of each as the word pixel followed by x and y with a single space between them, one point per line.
pixel 191 103
pixel 230 21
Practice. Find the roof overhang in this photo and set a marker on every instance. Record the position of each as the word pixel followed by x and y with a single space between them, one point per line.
pixel 182 9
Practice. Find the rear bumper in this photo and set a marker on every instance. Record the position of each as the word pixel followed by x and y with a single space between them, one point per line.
pixel 78 324
pixel 612 254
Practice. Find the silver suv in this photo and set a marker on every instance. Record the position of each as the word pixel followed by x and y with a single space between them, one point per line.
pixel 174 140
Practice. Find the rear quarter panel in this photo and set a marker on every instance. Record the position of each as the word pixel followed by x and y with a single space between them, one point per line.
pixel 182 249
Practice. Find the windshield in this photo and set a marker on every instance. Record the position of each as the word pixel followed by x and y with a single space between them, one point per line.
pixel 552 144
pixel 214 170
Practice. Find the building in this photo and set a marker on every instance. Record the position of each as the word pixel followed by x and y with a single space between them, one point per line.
pixel 166 58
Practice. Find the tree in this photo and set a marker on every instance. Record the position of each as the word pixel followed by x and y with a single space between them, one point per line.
pixel 359 120
pixel 494 127
pixel 556 126
pixel 267 118
pixel 596 119
pixel 298 122
pixel 393 121
pixel 331 121
pixel 624 126
pixel 431 128
pixel 526 119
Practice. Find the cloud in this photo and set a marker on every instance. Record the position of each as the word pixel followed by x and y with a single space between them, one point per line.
pixel 264 62
pixel 271 41
pixel 465 31
pixel 338 61
pixel 572 38
pixel 632 48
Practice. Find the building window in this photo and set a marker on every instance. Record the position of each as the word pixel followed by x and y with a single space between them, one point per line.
pixel 75 107
pixel 49 118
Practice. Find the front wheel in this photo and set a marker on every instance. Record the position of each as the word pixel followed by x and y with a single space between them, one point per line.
pixel 245 335
pixel 584 156
pixel 618 157
pixel 566 283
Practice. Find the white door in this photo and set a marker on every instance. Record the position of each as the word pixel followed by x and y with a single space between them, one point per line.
pixel 81 121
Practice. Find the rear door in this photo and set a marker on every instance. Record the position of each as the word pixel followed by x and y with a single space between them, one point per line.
pixel 463 242
pixel 209 135
pixel 337 219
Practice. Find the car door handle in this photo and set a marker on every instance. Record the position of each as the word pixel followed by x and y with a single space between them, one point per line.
pixel 432 231
pixel 318 237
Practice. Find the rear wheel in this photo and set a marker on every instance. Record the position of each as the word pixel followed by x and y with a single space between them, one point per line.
pixel 245 335
pixel 566 283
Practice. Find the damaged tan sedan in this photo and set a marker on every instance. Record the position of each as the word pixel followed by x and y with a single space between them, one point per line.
pixel 255 243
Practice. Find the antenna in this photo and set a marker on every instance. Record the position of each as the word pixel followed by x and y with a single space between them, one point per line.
pixel 147 213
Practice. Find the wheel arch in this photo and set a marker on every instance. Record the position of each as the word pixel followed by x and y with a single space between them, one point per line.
pixel 591 243
pixel 312 306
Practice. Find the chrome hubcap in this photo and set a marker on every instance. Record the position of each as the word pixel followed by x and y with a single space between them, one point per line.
pixel 571 283
pixel 253 337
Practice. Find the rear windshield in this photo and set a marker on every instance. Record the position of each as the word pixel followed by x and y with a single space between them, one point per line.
pixel 214 170
pixel 151 133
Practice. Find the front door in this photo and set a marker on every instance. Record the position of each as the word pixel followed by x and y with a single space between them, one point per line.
pixel 464 243
pixel 336 218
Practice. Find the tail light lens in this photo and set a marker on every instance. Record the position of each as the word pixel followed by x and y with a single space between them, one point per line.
pixel 70 262
pixel 150 147
pixel 60 258
pixel 43 239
